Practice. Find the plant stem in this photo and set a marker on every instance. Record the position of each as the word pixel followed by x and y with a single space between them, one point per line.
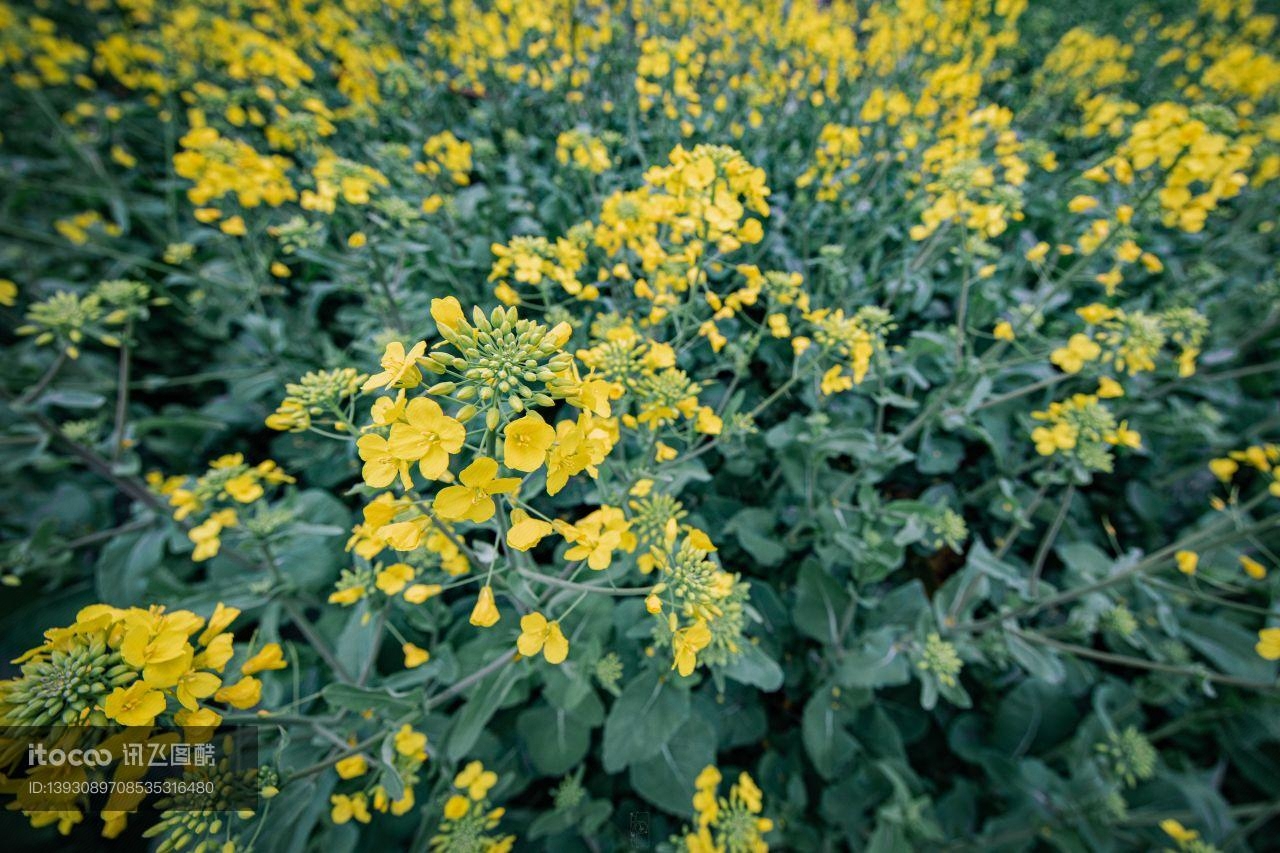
pixel 122 396
pixel 1140 663
pixel 1042 553
pixel 583 587
pixel 449 692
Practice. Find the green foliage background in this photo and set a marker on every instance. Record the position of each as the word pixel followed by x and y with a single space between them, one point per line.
pixel 827 508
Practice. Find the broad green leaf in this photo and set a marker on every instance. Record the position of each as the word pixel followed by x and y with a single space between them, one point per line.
pixel 752 666
pixel 479 709
pixel 829 745
pixel 875 662
pixel 642 720
pixel 348 697
pixel 666 780
pixel 820 605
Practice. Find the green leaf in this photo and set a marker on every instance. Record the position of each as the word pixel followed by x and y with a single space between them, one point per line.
pixel 752 666
pixel 557 739
pixel 822 727
pixel 642 720
pixel 1086 560
pixel 820 604
pixel 874 662
pixel 666 780
pixel 1038 661
pixel 480 708
pixel 126 565
pixel 938 454
pixel 1230 647
pixel 1031 717
pixel 751 526
pixel 348 697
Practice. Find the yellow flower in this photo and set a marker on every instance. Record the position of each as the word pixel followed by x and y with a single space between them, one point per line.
pixel 475 780
pixel 1178 832
pixel 414 656
pixel 1187 362
pixel 420 592
pixel 345 808
pixel 594 395
pixel 539 635
pixel 526 532
pixel 448 313
pixel 245 693
pixel 1037 252
pixel 1109 389
pixel 234 226
pixel 427 435
pixel 357 240
pixel 402 805
pixel 135 705
pixel 162 652
pixel 597 536
pixel 686 643
pixel 1187 561
pixel 1095 313
pixel 411 744
pixel 381 466
pixel 1003 331
pixel 394 578
pixel 664 453
pixel 1079 350
pixel 456 807
pixel 348 596
pixel 216 653
pixel 269 657
pixel 352 766
pixel 1224 469
pixel 708 422
pixel 835 380
pixel 1269 643
pixel 527 441
pixel 1252 567
pixel 204 718
pixel 244 488
pixel 472 500
pixel 8 293
pixel 193 686
pixel 1082 203
pixel 485 613
pixel 1050 440
pixel 1124 436
pixel 399 368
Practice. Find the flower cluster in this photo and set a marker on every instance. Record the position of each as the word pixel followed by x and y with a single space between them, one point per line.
pixel 407 754
pixel 469 818
pixel 318 394
pixel 852 340
pixel 733 824
pixel 584 151
pixel 218 166
pixel 1196 167
pixel 131 667
pixel 217 497
pixel 1083 429
pixel 1263 458
pixel 105 314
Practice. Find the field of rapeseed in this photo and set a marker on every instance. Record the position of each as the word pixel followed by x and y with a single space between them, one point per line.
pixel 591 425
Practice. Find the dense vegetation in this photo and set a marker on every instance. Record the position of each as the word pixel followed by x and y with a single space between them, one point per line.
pixel 596 426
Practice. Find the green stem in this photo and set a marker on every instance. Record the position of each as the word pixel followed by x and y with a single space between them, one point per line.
pixel 1140 663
